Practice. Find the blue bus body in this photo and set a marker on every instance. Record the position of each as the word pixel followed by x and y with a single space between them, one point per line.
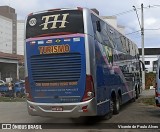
pixel 157 87
pixel 90 73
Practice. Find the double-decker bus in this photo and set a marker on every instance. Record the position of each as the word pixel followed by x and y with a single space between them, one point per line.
pixel 76 65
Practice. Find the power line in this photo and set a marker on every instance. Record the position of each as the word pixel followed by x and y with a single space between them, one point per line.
pixel 125 12
pixel 153 29
pixel 140 30
pixel 133 32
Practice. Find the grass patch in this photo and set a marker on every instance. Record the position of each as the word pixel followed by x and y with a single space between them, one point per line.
pixel 7 99
pixel 147 100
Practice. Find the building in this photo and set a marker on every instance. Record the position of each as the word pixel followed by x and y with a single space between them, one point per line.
pixel 20 37
pixel 112 20
pixel 10 62
pixel 150 57
pixel 5 35
pixel 8 30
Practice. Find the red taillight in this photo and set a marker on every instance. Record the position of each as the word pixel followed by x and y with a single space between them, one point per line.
pixel 89 90
pixel 28 90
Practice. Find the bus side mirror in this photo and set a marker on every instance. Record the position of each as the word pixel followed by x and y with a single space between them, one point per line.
pixel 143 66
pixel 98 26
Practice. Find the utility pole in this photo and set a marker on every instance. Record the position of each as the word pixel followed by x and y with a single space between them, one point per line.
pixel 142 43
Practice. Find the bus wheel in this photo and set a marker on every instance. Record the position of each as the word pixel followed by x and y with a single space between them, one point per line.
pixel 137 93
pixel 116 105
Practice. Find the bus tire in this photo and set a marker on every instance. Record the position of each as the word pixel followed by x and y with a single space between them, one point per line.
pixel 137 93
pixel 116 105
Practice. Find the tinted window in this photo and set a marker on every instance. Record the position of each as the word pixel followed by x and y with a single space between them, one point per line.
pixel 147 62
pixel 51 23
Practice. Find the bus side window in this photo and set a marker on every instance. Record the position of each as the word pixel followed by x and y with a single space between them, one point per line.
pixel 98 26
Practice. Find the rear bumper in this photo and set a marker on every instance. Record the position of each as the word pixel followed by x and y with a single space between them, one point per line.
pixel 70 110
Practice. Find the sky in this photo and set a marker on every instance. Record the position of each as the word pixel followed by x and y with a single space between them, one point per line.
pixel 122 9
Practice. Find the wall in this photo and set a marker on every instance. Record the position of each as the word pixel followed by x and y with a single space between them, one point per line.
pixel 150 58
pixel 20 37
pixel 112 20
pixel 8 70
pixel 5 34
pixel 9 12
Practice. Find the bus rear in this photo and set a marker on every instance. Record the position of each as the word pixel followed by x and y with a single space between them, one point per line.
pixel 56 82
pixel 157 86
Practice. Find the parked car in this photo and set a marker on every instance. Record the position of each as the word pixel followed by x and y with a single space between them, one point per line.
pixel 19 89
pixel 2 82
pixel 3 89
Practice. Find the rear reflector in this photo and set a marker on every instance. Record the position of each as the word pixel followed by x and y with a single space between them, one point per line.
pixel 84 108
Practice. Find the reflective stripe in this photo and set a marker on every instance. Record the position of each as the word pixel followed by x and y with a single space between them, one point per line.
pixel 128 92
pixel 103 102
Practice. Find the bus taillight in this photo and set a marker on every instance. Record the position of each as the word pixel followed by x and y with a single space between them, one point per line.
pixel 89 90
pixel 28 90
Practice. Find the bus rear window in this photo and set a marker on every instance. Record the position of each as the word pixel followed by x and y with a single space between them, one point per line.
pixel 54 23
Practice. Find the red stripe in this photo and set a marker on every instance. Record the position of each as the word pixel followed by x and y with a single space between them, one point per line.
pixel 61 36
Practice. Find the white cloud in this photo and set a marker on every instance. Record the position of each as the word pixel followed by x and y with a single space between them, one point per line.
pixel 150 22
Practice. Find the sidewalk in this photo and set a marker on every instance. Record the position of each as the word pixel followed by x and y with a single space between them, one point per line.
pixel 148 92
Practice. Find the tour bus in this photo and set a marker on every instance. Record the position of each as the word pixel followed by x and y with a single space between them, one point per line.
pixel 157 87
pixel 76 64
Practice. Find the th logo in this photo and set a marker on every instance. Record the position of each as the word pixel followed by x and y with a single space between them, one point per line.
pixel 55 21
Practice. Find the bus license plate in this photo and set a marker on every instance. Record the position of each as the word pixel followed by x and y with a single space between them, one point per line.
pixel 57 108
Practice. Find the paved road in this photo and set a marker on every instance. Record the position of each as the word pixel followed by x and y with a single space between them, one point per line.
pixel 16 112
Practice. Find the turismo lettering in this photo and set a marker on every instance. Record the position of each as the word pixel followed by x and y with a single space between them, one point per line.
pixel 54 49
